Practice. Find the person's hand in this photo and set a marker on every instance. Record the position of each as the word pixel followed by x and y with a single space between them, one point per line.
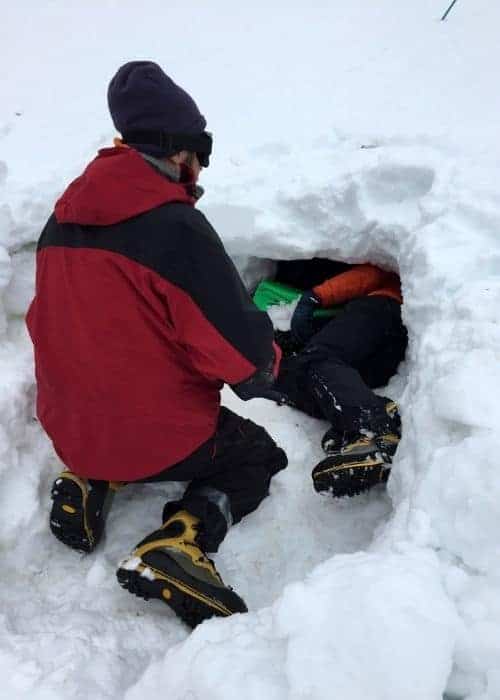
pixel 302 323
pixel 261 384
pixel 255 389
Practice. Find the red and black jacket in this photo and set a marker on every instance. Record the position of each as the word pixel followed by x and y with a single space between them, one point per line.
pixel 139 318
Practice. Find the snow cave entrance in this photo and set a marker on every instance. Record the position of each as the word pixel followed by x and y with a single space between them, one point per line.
pixel 278 285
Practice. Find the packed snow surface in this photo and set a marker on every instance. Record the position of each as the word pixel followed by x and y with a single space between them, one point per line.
pixel 356 131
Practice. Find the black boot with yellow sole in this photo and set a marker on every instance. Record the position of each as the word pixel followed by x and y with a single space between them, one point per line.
pixel 356 462
pixel 170 565
pixel 79 510
pixel 355 467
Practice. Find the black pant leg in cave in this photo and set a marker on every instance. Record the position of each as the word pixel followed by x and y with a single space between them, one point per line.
pixel 359 349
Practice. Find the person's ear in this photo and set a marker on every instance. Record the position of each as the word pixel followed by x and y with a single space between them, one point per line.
pixel 178 158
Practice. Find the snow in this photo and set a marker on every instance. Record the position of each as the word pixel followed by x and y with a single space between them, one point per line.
pixel 380 620
pixel 360 132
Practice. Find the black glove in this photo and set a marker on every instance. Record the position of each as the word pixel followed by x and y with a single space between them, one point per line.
pixel 251 390
pixel 302 324
pixel 259 386
pixel 289 346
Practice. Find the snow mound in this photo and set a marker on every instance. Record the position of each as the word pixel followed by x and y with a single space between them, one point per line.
pixel 360 626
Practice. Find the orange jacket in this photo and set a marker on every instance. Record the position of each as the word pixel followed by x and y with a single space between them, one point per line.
pixel 359 281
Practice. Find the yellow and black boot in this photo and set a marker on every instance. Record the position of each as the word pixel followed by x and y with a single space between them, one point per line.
pixel 79 510
pixel 356 463
pixel 171 566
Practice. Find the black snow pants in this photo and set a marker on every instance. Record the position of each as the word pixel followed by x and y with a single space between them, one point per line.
pixel 333 376
pixel 228 476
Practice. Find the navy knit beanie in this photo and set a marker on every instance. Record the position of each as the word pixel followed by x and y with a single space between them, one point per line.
pixel 142 97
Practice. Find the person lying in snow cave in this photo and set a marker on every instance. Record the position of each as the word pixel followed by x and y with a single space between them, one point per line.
pixel 331 368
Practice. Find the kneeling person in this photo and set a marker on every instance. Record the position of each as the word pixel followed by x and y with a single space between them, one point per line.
pixel 138 320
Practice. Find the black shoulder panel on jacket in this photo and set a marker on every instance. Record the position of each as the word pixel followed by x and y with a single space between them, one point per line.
pixel 177 242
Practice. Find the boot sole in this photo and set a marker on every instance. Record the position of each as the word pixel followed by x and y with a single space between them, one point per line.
pixel 67 517
pixel 348 478
pixel 180 591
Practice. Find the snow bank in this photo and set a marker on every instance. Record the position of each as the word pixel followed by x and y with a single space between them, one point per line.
pixel 360 626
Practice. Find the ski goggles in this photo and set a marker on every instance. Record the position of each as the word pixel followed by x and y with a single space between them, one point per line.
pixel 201 144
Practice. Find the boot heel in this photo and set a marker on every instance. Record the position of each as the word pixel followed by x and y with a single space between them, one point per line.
pixel 79 510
